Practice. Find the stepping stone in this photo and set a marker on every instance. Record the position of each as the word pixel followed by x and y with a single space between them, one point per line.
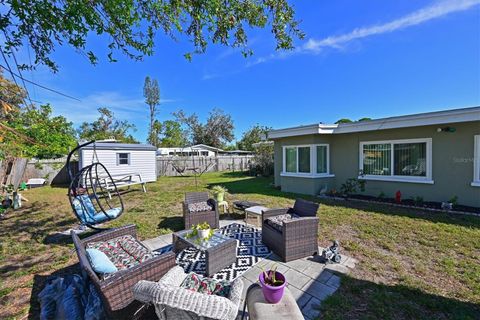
pixel 314 270
pixel 296 278
pixel 252 274
pixel 299 264
pixel 324 277
pixel 334 282
pixel 300 296
pixel 318 290
pixel 311 309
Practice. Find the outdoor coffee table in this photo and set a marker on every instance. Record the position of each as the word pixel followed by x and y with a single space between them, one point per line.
pixel 255 211
pixel 220 251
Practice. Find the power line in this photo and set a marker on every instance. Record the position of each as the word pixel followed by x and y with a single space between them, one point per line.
pixel 8 69
pixel 19 95
pixel 19 72
pixel 18 69
pixel 11 73
pixel 41 86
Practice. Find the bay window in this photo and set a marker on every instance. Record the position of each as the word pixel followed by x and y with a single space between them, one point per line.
pixel 311 161
pixel 397 160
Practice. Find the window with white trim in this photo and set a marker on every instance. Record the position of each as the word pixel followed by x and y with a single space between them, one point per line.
pixel 123 158
pixel 408 160
pixel 306 161
pixel 476 162
pixel 322 159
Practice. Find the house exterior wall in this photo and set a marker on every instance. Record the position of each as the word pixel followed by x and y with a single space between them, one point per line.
pixel 452 163
pixel 141 161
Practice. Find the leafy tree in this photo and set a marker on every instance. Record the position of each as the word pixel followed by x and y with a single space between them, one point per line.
pixel 132 25
pixel 262 163
pixel 173 135
pixel 30 131
pixel 54 136
pixel 107 127
pixel 151 92
pixel 12 97
pixel 364 119
pixel 230 147
pixel 216 132
pixel 253 135
pixel 343 120
pixel 154 134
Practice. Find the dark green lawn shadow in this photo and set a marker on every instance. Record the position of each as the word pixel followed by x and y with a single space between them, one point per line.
pixel 174 223
pixel 360 299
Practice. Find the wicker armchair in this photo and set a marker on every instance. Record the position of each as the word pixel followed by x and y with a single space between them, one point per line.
pixel 191 218
pixel 174 302
pixel 116 290
pixel 298 237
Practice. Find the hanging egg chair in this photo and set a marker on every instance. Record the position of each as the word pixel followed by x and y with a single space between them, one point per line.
pixel 91 202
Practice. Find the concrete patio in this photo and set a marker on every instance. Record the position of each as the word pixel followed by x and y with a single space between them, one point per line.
pixel 309 279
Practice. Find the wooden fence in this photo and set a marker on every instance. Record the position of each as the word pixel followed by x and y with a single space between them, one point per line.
pixel 55 171
pixel 178 166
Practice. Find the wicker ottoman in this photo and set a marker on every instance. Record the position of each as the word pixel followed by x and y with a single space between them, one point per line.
pixel 258 308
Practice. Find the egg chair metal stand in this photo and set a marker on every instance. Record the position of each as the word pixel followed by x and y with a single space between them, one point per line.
pixel 91 202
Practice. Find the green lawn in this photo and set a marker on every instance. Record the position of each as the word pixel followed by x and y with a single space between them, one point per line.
pixel 411 264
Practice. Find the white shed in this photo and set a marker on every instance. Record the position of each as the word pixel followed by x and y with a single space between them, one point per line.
pixel 123 159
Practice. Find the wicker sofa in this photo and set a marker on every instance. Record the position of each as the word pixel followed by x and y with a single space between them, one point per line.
pixel 192 218
pixel 116 290
pixel 174 302
pixel 294 238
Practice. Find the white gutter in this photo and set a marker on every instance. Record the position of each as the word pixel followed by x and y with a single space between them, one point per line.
pixel 422 119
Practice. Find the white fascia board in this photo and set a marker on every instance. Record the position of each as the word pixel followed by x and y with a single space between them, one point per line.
pixel 414 120
pixel 423 119
pixel 302 131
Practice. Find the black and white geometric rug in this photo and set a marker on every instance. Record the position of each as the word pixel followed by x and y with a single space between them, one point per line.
pixel 250 251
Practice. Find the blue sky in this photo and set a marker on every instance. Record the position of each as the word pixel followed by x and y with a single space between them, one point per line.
pixel 371 58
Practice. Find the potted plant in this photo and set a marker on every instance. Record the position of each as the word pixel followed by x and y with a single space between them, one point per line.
pixel 219 193
pixel 203 230
pixel 273 285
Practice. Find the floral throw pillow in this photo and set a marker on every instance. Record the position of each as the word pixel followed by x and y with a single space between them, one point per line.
pixel 197 283
pixel 199 207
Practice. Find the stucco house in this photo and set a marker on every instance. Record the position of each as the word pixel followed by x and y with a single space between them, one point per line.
pixel 434 155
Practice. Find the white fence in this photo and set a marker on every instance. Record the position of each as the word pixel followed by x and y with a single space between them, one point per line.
pixel 178 166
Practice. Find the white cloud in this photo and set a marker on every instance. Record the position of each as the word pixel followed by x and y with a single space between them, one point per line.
pixel 435 11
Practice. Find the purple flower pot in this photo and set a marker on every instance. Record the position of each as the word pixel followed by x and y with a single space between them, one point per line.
pixel 272 294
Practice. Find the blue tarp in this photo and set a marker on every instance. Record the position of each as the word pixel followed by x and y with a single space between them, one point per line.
pixel 71 298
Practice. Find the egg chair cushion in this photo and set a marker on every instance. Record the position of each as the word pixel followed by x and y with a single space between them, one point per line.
pixel 85 210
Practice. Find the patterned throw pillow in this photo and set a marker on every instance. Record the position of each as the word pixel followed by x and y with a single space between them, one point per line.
pixel 199 207
pixel 277 221
pixel 197 283
pixel 124 251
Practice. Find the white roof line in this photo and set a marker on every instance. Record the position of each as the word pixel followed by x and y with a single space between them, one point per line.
pixel 413 120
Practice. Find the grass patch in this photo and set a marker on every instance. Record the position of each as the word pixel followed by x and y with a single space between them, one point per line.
pixel 412 264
